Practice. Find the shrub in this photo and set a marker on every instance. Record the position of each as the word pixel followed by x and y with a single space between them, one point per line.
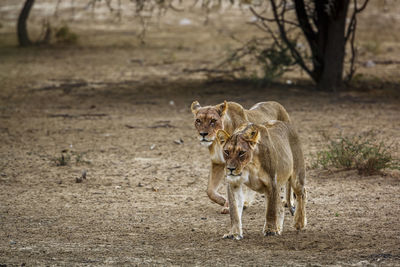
pixel 258 61
pixel 65 36
pixel 66 158
pixel 373 47
pixel 274 62
pixel 62 160
pixel 362 153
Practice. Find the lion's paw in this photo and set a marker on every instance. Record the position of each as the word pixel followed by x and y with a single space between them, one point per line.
pixel 270 233
pixel 233 236
pixel 225 210
pixel 299 226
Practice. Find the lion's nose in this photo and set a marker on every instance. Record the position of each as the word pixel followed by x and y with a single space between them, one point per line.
pixel 231 169
pixel 203 134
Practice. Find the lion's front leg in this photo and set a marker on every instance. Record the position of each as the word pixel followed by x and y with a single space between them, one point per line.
pixel 236 200
pixel 217 175
pixel 274 212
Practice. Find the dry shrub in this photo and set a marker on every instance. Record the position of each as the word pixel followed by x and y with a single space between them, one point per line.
pixel 65 36
pixel 362 153
pixel 67 156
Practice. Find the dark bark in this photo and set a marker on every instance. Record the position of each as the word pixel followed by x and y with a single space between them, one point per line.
pixel 327 43
pixel 22 31
pixel 333 48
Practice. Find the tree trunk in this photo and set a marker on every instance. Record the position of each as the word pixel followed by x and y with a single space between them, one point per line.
pixel 327 42
pixel 332 46
pixel 22 31
pixel 331 74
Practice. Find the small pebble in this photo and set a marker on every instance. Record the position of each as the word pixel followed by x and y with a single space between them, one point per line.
pixel 370 64
pixel 178 141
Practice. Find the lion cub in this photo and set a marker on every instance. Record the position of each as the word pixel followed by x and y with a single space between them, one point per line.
pixel 264 158
pixel 228 116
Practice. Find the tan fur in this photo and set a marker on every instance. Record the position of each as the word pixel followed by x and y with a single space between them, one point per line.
pixel 228 116
pixel 264 159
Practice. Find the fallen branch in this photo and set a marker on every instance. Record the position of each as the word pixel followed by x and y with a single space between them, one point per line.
pixel 132 127
pixel 159 124
pixel 69 116
pixel 63 86
pixel 165 125
pixel 385 62
pixel 213 70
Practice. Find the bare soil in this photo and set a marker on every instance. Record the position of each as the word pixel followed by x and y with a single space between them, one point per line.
pixel 117 110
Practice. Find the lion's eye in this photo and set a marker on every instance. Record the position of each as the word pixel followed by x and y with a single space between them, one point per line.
pixel 197 120
pixel 213 121
pixel 241 153
pixel 226 152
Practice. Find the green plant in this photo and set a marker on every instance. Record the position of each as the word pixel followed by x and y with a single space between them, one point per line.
pixel 66 158
pixel 274 62
pixel 63 160
pixel 362 153
pixel 373 47
pixel 259 61
pixel 65 36
pixel 79 158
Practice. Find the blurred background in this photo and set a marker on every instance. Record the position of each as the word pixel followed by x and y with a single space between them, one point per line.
pixel 127 40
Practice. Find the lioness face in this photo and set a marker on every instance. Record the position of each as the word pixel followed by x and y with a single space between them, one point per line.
pixel 238 148
pixel 208 120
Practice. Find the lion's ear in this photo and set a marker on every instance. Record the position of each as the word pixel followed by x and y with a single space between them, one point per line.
pixel 195 107
pixel 252 135
pixel 222 108
pixel 222 137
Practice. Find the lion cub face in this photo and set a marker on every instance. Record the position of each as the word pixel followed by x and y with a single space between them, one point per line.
pixel 238 148
pixel 208 120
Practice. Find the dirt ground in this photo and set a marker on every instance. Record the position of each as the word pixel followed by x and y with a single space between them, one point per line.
pixel 117 109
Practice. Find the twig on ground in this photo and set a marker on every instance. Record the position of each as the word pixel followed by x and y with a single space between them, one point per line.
pixel 69 116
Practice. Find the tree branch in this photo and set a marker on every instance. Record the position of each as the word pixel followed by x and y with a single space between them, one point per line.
pixel 295 54
pixel 305 25
pixel 351 35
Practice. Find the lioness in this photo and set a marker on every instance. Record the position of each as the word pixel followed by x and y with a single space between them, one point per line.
pixel 228 116
pixel 264 158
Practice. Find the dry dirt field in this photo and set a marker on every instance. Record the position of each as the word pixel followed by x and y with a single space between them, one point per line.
pixel 117 107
